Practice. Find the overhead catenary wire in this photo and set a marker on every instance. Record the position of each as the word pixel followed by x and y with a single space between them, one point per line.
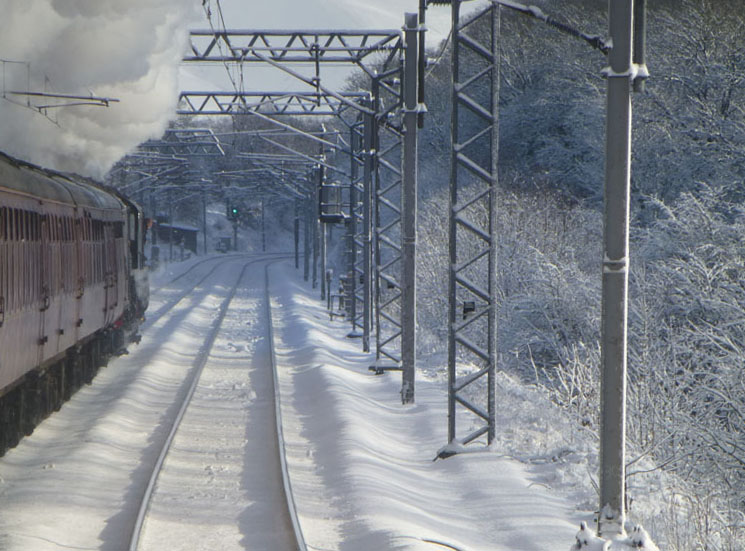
pixel 595 41
pixel 206 4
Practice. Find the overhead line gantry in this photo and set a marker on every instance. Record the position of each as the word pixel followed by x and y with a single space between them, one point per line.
pixel 382 148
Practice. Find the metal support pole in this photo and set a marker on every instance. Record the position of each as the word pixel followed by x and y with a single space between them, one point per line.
pixel 154 226
pixel 322 238
pixel 376 223
pixel 322 235
pixel 615 270
pixel 367 222
pixel 307 236
pixel 204 221
pixel 387 218
pixel 408 208
pixel 297 234
pixel 170 227
pixel 351 227
pixel 422 63
pixel 640 44
pixel 314 226
pixel 235 235
pixel 263 227
pixel 472 291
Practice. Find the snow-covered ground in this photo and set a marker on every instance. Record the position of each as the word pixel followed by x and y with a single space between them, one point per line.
pixel 361 464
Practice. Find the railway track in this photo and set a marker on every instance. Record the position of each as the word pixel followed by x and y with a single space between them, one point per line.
pixel 96 457
pixel 169 304
pixel 217 259
pixel 155 514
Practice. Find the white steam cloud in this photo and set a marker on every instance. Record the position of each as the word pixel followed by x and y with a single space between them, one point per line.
pixel 124 49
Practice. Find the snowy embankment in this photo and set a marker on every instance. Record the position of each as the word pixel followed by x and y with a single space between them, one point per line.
pixel 362 464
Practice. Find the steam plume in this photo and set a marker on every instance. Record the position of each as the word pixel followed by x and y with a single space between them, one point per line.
pixel 124 49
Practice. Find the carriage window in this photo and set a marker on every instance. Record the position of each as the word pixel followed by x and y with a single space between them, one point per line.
pixel 13 224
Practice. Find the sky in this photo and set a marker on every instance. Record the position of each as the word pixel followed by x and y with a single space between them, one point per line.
pixel 331 14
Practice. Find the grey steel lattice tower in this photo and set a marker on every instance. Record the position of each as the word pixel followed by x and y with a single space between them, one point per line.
pixel 472 320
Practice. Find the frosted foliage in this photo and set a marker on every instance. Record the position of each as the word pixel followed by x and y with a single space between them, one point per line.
pixel 123 49
pixel 686 385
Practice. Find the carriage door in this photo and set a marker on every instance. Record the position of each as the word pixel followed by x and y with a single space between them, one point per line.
pixel 111 275
pixel 78 237
pixel 106 273
pixel 45 281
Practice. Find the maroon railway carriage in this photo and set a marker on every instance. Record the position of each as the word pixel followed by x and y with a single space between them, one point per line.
pixel 73 288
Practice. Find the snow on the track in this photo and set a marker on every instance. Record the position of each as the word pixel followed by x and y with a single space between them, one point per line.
pixel 361 463
pixel 75 483
pixel 206 496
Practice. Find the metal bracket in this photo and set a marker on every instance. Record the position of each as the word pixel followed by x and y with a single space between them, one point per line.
pixel 381 369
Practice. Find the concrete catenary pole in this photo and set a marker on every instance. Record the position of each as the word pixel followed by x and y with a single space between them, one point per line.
pixel 408 209
pixel 615 269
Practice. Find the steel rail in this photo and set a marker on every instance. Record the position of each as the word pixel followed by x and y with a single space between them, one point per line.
pixel 286 480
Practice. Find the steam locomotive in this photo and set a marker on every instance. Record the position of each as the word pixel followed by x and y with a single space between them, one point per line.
pixel 73 288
